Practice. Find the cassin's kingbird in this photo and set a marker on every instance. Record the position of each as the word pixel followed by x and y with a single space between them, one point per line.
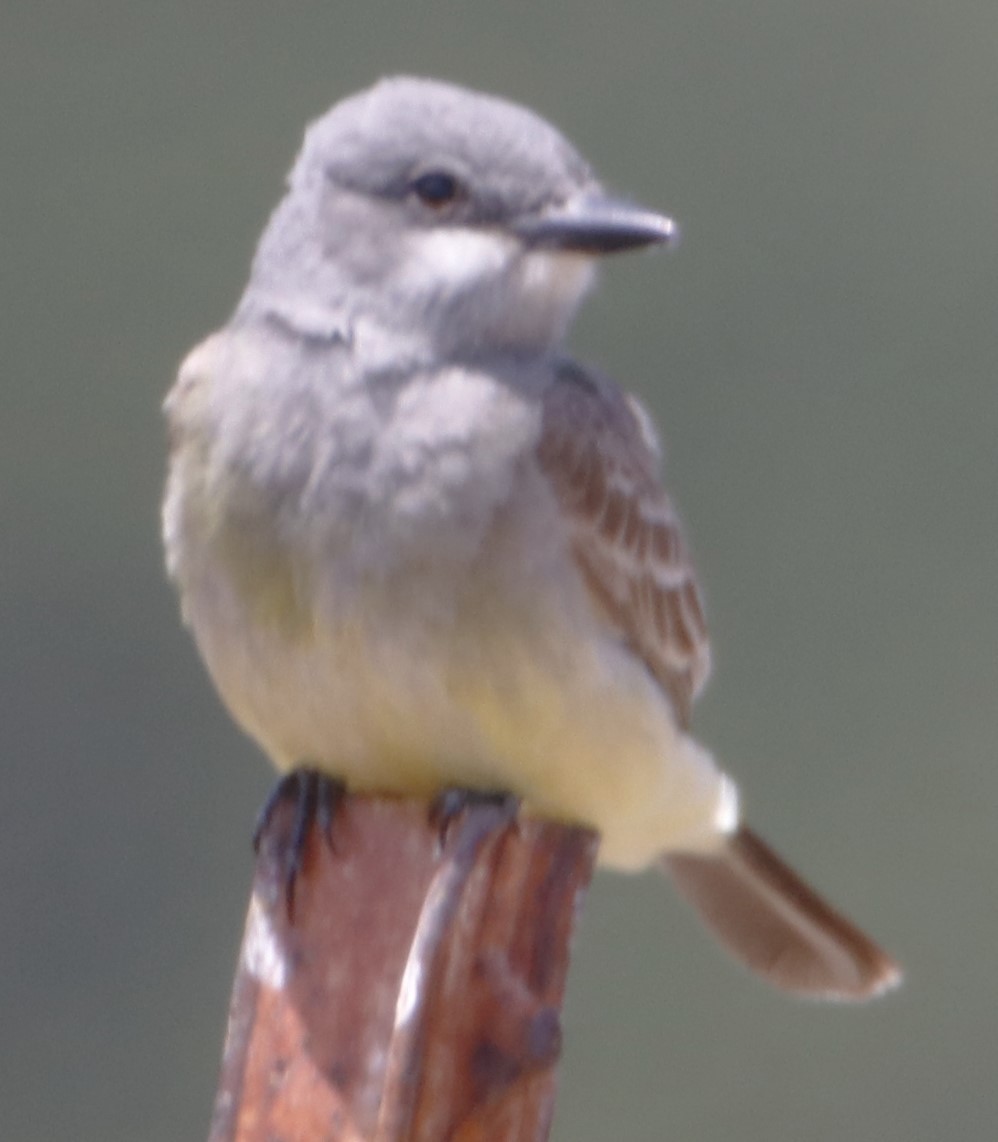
pixel 419 547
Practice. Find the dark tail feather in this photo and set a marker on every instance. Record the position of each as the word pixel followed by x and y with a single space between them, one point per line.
pixel 768 918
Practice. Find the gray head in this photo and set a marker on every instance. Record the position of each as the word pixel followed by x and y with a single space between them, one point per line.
pixel 431 213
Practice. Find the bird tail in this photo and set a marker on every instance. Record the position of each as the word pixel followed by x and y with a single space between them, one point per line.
pixel 778 926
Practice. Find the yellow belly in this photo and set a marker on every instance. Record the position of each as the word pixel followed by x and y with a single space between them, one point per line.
pixel 538 699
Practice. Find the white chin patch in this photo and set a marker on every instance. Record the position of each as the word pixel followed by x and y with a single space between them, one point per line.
pixel 549 287
pixel 524 297
pixel 565 278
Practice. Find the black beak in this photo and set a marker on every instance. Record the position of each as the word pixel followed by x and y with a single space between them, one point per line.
pixel 596 224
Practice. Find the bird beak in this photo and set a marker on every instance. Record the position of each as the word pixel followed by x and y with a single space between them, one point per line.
pixel 596 224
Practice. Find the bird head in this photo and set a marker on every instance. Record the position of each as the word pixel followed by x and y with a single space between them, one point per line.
pixel 437 214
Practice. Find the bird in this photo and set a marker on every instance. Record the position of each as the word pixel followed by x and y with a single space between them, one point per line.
pixel 421 547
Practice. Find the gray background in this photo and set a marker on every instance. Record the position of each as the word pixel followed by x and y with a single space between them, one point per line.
pixel 820 355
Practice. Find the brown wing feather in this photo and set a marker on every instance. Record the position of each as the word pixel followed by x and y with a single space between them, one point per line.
pixel 627 541
pixel 625 532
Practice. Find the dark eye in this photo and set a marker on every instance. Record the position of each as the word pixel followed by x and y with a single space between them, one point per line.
pixel 436 188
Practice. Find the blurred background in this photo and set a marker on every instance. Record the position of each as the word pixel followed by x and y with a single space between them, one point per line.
pixel 820 354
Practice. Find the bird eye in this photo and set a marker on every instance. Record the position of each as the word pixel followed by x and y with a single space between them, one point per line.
pixel 436 188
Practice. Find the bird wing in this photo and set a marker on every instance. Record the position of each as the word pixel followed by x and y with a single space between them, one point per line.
pixel 597 451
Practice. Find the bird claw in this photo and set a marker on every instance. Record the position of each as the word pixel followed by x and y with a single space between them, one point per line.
pixel 450 803
pixel 316 798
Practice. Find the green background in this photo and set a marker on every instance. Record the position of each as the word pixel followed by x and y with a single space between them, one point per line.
pixel 820 353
